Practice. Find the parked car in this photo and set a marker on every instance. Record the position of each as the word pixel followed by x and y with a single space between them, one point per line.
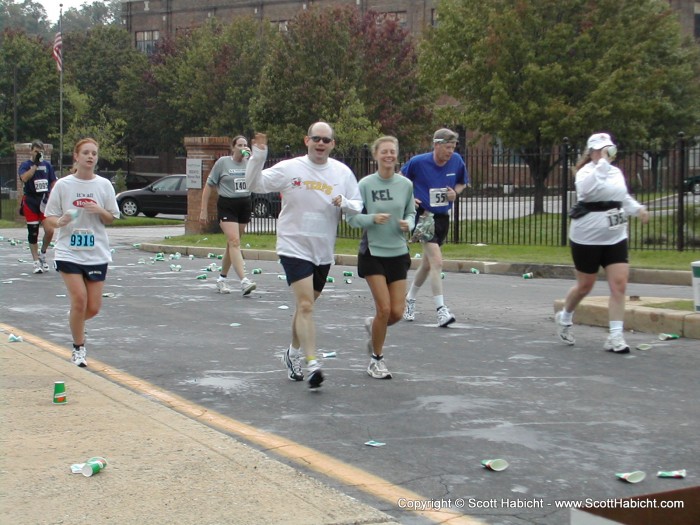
pixel 267 204
pixel 692 184
pixel 136 182
pixel 169 196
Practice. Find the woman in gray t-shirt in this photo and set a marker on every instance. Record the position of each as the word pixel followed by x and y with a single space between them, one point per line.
pixel 234 209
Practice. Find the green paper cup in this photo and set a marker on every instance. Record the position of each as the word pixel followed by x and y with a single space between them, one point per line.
pixel 59 393
pixel 632 477
pixel 678 474
pixel 93 466
pixel 497 465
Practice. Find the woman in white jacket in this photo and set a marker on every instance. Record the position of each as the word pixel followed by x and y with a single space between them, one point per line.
pixel 598 237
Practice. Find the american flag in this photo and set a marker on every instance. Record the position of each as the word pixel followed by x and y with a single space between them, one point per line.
pixel 58 51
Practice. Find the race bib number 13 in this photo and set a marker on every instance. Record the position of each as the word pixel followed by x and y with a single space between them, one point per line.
pixel 82 240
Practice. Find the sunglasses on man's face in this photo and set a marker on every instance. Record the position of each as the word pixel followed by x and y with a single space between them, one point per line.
pixel 325 140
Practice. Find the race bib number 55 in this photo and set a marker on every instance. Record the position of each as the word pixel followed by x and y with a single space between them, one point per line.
pixel 438 197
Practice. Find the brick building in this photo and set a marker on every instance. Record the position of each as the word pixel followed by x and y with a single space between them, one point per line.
pixel 149 20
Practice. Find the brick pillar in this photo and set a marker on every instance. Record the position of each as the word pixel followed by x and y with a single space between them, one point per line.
pixel 208 149
pixel 22 153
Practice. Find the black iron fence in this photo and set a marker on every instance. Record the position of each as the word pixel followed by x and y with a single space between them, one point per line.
pixel 514 199
pixel 507 203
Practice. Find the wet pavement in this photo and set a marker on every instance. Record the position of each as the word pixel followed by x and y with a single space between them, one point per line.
pixel 495 384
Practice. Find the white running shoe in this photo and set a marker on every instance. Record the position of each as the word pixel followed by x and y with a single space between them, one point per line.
pixel 79 357
pixel 564 330
pixel 444 317
pixel 616 343
pixel 38 267
pixel 409 314
pixel 44 264
pixel 377 369
pixel 247 286
pixel 293 364
pixel 222 286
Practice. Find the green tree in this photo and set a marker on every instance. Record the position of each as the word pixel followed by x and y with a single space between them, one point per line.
pixel 90 15
pixel 534 72
pixel 199 83
pixel 323 56
pixel 95 60
pixel 215 73
pixel 27 16
pixel 97 123
pixel 29 90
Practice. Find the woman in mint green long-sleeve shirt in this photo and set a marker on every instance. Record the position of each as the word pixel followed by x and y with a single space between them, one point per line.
pixel 383 260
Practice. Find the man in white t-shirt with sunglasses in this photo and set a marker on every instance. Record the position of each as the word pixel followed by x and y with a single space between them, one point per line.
pixel 315 189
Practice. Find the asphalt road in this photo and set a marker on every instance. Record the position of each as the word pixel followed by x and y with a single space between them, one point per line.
pixel 496 384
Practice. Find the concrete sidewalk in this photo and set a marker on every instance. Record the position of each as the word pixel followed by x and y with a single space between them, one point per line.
pixel 163 467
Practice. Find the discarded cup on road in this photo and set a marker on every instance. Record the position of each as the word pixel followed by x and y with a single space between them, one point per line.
pixel 666 337
pixel 202 276
pixel 15 338
pixel 347 273
pixel 281 277
pixel 442 275
pixel 528 275
pixel 257 271
pixel 474 271
pixel 497 465
pixel 632 477
pixel 330 279
pixel 93 466
pixel 59 393
pixel 348 281
pixel 678 474
pixel 643 346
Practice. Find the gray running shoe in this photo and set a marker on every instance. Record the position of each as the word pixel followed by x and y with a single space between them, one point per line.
pixel 444 317
pixel 409 314
pixel 564 330
pixel 377 369
pixel 616 343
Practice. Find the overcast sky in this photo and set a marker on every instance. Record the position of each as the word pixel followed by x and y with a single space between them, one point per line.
pixel 52 7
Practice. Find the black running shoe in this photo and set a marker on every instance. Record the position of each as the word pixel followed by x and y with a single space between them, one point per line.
pixel 315 378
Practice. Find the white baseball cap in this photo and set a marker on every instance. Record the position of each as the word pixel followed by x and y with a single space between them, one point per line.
pixel 599 141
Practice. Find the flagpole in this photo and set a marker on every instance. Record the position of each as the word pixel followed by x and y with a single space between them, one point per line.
pixel 60 149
